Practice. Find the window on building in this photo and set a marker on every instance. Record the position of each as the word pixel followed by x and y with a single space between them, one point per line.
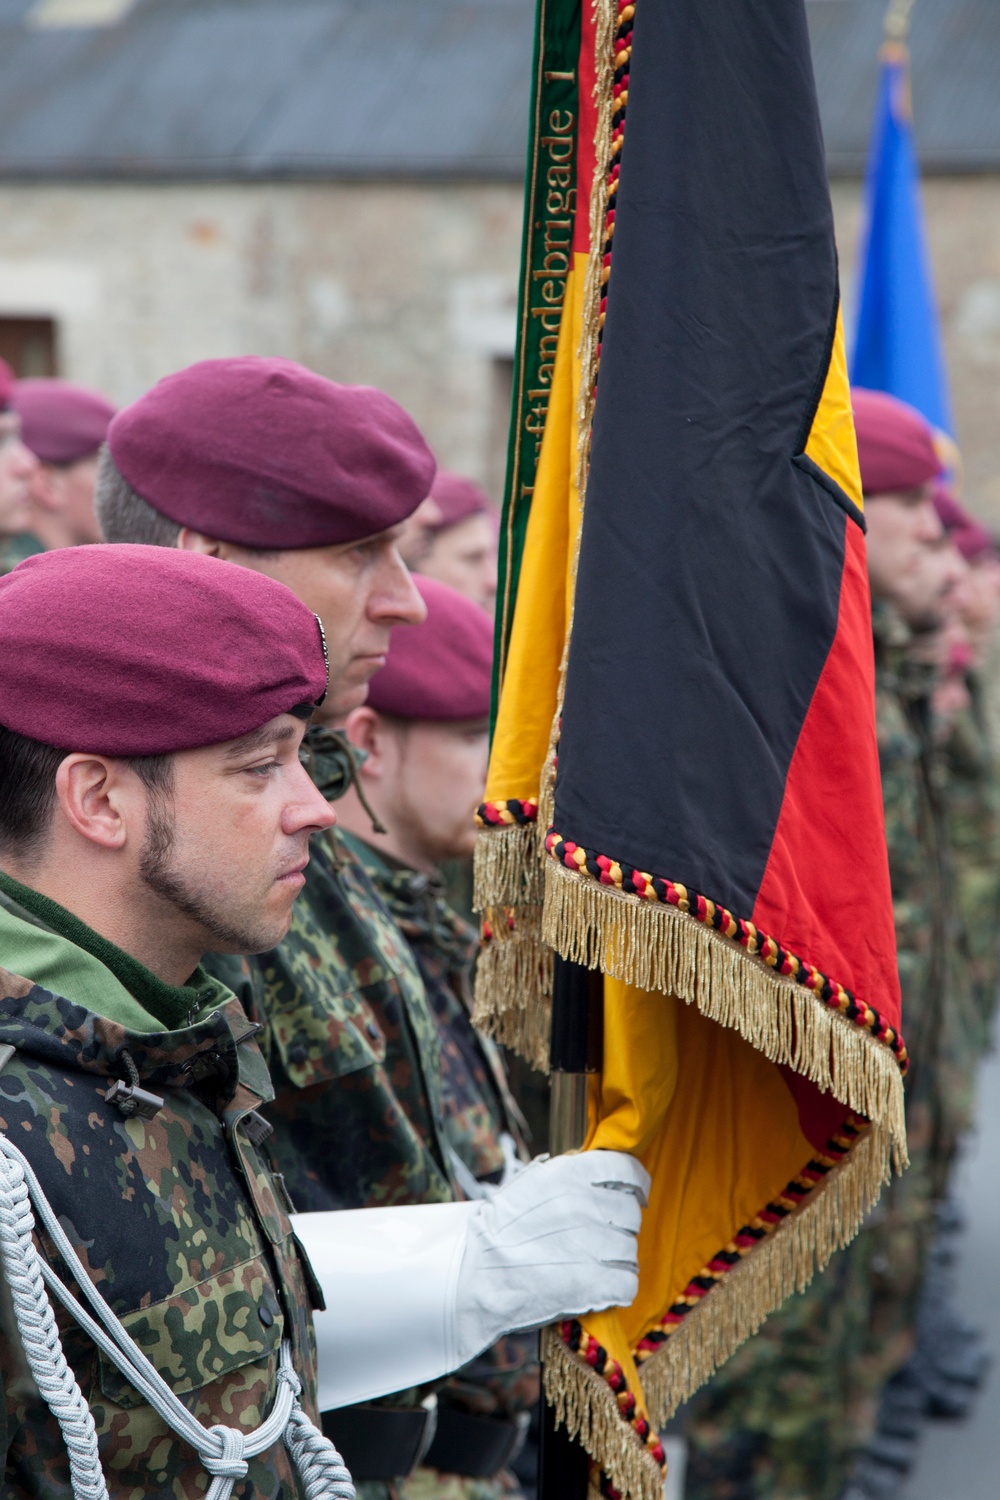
pixel 29 345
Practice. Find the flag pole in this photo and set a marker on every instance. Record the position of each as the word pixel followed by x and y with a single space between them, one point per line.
pixel 575 1052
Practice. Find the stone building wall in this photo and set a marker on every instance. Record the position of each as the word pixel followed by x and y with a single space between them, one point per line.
pixel 409 286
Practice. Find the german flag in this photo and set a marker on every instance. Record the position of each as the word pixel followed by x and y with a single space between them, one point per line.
pixel 684 787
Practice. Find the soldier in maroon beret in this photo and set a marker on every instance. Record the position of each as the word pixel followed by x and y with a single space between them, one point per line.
pixel 263 463
pixel 16 467
pixel 462 545
pixel 899 464
pixel 63 425
pixel 915 572
pixel 424 740
pixel 152 805
pixel 424 731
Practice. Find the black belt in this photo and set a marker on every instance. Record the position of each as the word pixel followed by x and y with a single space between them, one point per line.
pixel 475 1447
pixel 388 1442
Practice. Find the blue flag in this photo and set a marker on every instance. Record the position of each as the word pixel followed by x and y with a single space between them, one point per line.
pixel 897 345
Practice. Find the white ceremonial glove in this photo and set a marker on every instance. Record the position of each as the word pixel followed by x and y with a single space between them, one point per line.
pixel 414 1293
pixel 557 1240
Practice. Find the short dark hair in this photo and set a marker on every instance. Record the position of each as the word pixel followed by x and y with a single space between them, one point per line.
pixel 28 788
pixel 123 515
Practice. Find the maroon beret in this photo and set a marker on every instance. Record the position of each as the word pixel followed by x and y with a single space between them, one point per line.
pixel 264 453
pixel 6 385
pixel 131 650
pixel 895 443
pixel 458 499
pixel 61 422
pixel 971 539
pixel 441 669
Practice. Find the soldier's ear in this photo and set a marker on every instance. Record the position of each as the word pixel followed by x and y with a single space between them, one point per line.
pixel 93 799
pixel 189 540
pixel 366 732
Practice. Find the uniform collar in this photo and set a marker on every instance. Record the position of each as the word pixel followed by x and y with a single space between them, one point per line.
pixel 417 903
pixel 215 1052
pixel 170 1005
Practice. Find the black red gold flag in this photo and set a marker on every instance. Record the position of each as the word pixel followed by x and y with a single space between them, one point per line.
pixel 684 786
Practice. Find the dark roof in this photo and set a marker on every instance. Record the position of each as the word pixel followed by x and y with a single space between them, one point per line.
pixel 235 88
pixel 955 69
pixel 403 88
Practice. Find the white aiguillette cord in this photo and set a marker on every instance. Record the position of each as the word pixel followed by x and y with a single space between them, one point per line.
pixel 223 1450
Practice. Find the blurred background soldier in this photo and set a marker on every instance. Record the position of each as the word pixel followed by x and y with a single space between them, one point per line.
pixel 973 811
pixel 315 494
pixel 64 426
pixel 461 551
pixel 16 468
pixel 423 743
pixel 462 546
pixel 915 572
pixel 416 532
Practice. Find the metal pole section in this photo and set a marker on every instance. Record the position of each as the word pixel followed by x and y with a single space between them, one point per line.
pixel 576 1050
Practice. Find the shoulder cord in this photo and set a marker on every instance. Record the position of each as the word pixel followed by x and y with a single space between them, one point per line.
pixel 223 1450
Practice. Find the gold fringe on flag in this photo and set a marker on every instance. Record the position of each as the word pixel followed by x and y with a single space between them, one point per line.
pixel 658 947
pixel 514 988
pixel 508 869
pixel 513 1000
pixel 586 1404
pixel 728 1315
pixel 783 1263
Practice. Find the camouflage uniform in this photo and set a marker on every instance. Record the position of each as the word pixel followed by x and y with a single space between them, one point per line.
pixel 476 1102
pixel 789 1412
pixel 973 819
pixel 178 1218
pixel 899 1233
pixel 477 1110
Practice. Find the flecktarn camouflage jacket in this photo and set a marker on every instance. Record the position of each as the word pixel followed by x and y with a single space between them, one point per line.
pixel 181 1225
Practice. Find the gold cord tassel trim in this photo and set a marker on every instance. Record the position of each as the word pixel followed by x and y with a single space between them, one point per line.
pixel 514 970
pixel 730 1313
pixel 507 868
pixel 585 1403
pixel 513 1000
pixel 657 947
pixel 783 1263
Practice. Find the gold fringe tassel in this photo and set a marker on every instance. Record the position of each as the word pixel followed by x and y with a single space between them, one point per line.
pixel 585 1403
pixel 657 947
pixel 783 1263
pixel 514 969
pixel 513 1000
pixel 508 869
pixel 731 1313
